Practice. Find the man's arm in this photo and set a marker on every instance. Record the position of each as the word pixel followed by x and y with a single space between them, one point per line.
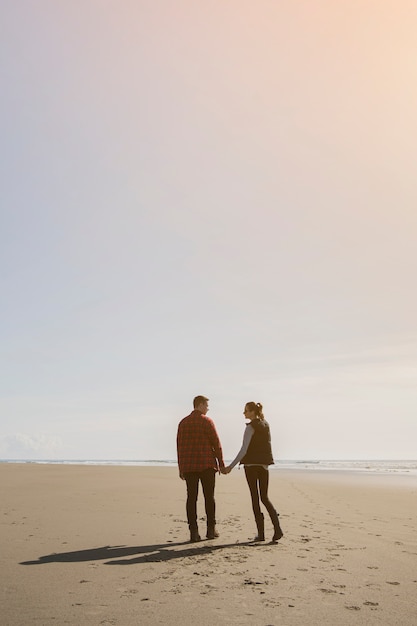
pixel 179 442
pixel 215 443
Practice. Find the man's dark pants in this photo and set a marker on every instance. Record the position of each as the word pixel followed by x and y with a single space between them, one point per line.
pixel 208 479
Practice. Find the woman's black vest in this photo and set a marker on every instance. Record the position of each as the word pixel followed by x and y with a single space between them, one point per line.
pixel 259 451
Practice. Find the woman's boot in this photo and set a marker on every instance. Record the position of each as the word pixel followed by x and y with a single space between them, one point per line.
pixel 277 528
pixel 260 525
pixel 212 532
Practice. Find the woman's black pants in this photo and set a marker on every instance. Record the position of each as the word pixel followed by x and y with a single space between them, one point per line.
pixel 258 480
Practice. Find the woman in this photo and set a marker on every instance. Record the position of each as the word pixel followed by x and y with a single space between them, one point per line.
pixel 256 455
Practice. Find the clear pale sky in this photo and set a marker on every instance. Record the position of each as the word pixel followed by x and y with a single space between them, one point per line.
pixel 213 198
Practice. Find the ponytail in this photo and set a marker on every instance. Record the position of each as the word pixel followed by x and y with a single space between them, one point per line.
pixel 257 408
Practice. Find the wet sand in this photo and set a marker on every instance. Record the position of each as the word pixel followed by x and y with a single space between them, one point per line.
pixel 107 545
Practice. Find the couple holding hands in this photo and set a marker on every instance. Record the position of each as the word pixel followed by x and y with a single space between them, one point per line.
pixel 200 456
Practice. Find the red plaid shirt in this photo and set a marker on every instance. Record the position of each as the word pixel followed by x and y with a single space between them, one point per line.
pixel 198 444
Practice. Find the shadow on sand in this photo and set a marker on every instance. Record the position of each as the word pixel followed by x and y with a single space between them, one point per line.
pixel 148 554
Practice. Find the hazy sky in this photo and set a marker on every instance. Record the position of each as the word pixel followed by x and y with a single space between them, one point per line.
pixel 216 198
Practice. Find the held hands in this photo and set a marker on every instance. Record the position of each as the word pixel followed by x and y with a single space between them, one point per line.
pixel 225 470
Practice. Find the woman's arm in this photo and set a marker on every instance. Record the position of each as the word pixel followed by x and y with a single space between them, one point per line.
pixel 245 445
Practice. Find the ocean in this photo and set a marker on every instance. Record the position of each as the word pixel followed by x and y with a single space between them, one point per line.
pixel 399 467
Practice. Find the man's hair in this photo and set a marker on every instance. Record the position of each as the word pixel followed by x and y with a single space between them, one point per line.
pixel 198 400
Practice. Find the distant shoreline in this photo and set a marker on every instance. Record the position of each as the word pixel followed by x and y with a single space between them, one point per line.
pixel 404 467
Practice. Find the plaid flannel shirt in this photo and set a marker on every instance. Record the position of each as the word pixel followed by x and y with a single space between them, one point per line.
pixel 198 444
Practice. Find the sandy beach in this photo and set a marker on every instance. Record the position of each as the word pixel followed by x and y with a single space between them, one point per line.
pixel 101 545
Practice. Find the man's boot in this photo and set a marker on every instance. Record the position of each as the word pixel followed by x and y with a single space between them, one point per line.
pixel 277 528
pixel 260 525
pixel 194 536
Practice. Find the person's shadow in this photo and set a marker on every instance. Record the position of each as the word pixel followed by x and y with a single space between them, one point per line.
pixel 148 554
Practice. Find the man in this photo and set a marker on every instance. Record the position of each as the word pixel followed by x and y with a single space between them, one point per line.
pixel 200 456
